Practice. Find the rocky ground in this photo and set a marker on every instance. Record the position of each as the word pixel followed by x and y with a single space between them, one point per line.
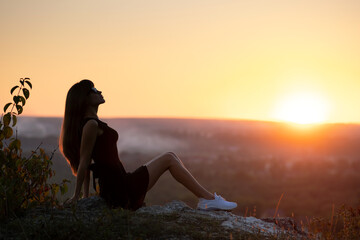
pixel 91 219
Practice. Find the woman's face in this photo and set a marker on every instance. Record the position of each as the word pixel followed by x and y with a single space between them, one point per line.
pixel 95 97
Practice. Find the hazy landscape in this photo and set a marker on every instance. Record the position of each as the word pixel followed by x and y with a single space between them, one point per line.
pixel 250 162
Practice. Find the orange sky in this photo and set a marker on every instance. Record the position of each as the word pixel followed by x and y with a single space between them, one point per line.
pixel 199 59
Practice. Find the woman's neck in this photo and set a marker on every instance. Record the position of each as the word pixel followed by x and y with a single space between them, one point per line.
pixel 91 113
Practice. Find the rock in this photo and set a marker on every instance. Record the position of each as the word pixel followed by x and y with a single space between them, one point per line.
pixel 86 209
pixel 174 220
pixel 167 208
pixel 229 220
pixel 91 203
pixel 286 223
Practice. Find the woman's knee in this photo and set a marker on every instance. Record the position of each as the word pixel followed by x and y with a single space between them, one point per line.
pixel 172 158
pixel 159 165
pixel 165 160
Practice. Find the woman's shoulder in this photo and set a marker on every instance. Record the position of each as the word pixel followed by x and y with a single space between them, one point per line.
pixel 92 121
pixel 90 129
pixel 89 124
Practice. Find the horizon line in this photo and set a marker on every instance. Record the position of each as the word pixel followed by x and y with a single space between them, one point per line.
pixel 205 118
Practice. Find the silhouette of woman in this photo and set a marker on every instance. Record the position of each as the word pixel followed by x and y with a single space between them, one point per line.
pixel 84 138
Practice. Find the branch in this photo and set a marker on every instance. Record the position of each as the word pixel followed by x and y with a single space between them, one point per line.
pixel 34 151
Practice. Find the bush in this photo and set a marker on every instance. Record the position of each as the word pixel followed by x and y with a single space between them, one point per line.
pixel 23 180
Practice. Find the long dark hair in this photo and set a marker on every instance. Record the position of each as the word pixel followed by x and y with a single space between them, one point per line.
pixel 71 130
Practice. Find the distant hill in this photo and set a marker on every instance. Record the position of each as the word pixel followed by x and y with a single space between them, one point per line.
pixel 248 137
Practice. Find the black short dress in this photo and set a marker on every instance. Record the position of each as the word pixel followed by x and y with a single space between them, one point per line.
pixel 118 187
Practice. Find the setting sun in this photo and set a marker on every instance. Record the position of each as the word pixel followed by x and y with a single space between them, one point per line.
pixel 302 108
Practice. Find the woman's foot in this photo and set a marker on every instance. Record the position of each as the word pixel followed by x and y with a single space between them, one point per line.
pixel 219 203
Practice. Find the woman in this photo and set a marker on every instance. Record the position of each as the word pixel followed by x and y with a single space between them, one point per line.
pixel 85 138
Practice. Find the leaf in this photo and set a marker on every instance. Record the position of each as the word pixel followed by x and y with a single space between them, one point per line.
pixel 26 93
pixel 7 119
pixel 22 81
pixel 6 106
pixel 8 132
pixel 55 188
pixel 13 89
pixel 64 189
pixel 11 146
pixel 22 100
pixel 29 83
pixel 19 109
pixel 17 144
pixel 66 181
pixel 18 162
pixel 14 120
pixel 13 155
pixel 16 99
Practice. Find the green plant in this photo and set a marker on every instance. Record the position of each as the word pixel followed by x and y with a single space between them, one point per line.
pixel 23 180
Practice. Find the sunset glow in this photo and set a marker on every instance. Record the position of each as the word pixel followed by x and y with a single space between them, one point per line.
pixel 187 59
pixel 303 108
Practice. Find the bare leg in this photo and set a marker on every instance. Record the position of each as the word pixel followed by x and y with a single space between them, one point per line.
pixel 169 161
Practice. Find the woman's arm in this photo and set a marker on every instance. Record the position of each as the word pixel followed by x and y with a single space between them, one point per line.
pixel 88 139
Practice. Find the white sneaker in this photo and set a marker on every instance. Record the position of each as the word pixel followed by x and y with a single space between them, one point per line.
pixel 219 203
